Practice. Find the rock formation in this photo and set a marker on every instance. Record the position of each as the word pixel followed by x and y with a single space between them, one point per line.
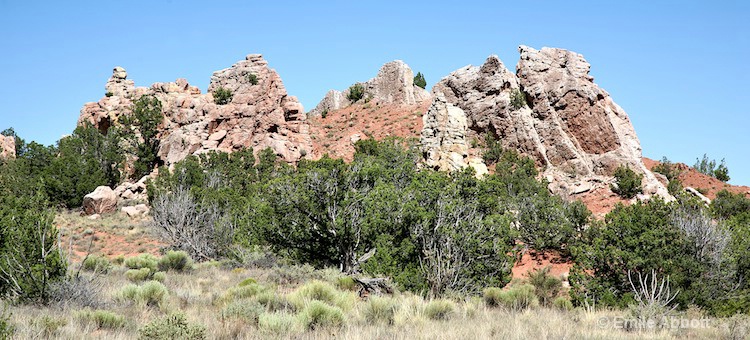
pixel 394 84
pixel 551 110
pixel 128 191
pixel 7 146
pixel 260 113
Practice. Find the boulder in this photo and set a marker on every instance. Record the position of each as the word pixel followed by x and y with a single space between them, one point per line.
pixel 136 210
pixel 102 200
pixel 700 196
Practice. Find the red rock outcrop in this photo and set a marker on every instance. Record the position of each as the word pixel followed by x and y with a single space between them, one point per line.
pixel 260 113
pixel 550 110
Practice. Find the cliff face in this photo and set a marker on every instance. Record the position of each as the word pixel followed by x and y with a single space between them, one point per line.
pixel 550 110
pixel 260 114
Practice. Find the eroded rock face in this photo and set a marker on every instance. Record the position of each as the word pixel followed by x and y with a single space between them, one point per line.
pixel 568 125
pixel 7 146
pixel 260 113
pixel 394 84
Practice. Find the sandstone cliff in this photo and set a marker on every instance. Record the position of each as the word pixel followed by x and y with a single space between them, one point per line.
pixel 260 114
pixel 550 110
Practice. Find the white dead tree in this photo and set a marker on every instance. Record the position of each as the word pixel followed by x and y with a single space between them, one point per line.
pixel 202 230
pixel 654 298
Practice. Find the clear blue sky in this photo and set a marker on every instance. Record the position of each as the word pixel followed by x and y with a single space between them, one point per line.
pixel 679 68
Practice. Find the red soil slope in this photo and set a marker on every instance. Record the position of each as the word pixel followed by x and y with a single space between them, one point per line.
pixel 336 133
pixel 704 183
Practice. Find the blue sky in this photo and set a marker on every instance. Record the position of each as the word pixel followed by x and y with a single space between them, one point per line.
pixel 679 68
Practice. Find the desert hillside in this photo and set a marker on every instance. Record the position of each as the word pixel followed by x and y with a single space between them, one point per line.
pixel 496 204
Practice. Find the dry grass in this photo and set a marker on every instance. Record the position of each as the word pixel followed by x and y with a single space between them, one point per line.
pixel 280 302
pixel 202 295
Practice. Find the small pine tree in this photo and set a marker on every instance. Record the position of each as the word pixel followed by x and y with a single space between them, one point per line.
pixel 145 120
pixel 222 96
pixel 517 99
pixel 722 173
pixel 708 167
pixel 252 78
pixel 356 92
pixel 628 182
pixel 419 80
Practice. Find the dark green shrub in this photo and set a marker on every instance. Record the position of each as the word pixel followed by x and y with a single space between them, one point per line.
pixel 628 183
pixel 356 92
pixel 251 78
pixel 84 160
pixel 178 261
pixel 419 80
pixel 30 261
pixel 317 314
pixel 494 149
pixel 672 172
pixel 324 113
pixel 172 326
pixel 667 168
pixel 640 238
pixel 109 94
pixel 145 120
pixel 222 96
pixel 727 204
pixel 517 99
pixel 722 172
